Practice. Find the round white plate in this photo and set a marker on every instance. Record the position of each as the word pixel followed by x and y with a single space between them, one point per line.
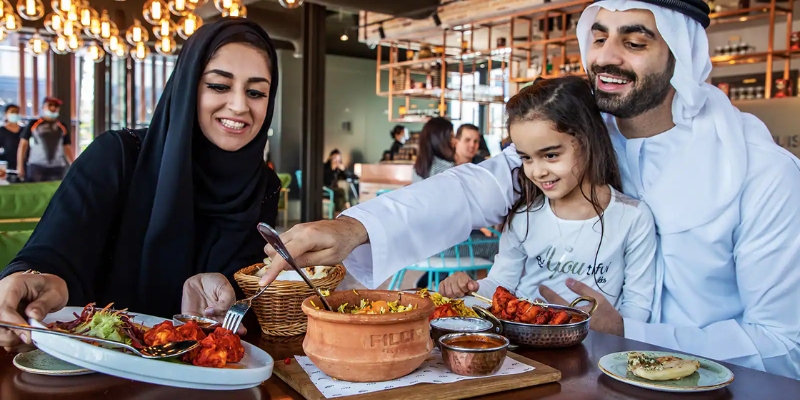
pixel 710 376
pixel 255 367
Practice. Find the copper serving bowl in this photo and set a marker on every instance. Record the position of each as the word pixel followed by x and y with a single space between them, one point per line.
pixel 473 354
pixel 545 336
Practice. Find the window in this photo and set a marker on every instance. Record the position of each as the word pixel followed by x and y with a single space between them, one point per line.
pixel 464 112
pixel 495 129
pixel 85 86
pixel 118 104
pixel 9 73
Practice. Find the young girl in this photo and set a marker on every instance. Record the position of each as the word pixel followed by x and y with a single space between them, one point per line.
pixel 572 220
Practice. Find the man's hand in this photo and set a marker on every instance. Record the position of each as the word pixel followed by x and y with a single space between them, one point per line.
pixel 458 285
pixel 209 295
pixel 326 242
pixel 28 295
pixel 605 319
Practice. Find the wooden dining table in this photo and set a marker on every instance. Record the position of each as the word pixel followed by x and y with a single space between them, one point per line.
pixel 581 379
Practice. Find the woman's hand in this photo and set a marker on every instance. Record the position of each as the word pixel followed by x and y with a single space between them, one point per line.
pixel 457 285
pixel 28 296
pixel 326 242
pixel 209 295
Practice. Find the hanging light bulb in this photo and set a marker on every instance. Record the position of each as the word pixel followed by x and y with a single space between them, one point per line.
pixel 180 7
pixel 112 43
pixel 188 25
pixel 196 3
pixel 61 6
pixel 30 10
pixel 93 29
pixel 165 27
pixel 5 8
pixel 140 51
pixel 344 37
pixel 223 5
pixel 290 4
pixel 166 46
pixel 95 53
pixel 87 14
pixel 74 43
pixel 73 14
pixel 155 10
pixel 36 45
pixel 60 45
pixel 237 10
pixel 107 27
pixel 54 23
pixel 136 33
pixel 121 51
pixel 11 22
pixel 70 28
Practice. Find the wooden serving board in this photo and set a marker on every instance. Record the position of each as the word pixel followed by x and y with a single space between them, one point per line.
pixel 294 375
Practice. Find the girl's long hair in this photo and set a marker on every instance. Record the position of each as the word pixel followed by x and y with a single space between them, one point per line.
pixel 435 140
pixel 569 105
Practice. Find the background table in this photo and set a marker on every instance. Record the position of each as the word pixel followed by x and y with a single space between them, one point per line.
pixel 581 379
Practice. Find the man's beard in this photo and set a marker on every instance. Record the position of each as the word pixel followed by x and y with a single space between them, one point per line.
pixel 647 93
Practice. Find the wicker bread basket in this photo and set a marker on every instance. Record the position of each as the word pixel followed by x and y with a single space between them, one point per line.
pixel 278 308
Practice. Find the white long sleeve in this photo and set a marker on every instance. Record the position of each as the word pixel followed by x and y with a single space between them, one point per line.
pixel 446 207
pixel 508 267
pixel 766 253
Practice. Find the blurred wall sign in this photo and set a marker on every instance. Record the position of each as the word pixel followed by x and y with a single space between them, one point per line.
pixel 346 126
pixel 789 142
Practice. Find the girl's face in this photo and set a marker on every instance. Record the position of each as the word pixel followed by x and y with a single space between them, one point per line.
pixel 467 145
pixel 233 96
pixel 549 157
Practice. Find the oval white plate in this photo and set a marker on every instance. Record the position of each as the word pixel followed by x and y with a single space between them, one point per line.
pixel 710 376
pixel 255 367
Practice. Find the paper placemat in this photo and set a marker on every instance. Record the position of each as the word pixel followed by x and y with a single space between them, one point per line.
pixel 432 370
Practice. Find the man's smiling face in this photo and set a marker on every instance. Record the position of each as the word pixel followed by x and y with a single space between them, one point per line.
pixel 630 64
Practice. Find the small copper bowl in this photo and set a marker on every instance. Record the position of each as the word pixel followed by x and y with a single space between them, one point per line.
pixel 446 325
pixel 473 354
pixel 207 325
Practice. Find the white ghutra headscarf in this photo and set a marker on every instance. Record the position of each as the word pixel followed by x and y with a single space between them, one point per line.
pixel 709 172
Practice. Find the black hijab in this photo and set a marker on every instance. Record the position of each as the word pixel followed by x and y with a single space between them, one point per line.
pixel 192 207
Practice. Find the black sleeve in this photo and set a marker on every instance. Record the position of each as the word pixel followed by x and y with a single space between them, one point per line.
pixel 67 137
pixel 70 239
pixel 26 131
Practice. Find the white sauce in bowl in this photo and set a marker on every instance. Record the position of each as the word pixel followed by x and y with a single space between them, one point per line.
pixel 456 324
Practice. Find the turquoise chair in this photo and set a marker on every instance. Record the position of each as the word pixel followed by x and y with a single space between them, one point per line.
pixel 440 263
pixel 327 204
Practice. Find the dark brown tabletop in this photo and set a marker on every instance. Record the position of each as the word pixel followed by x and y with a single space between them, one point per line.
pixel 581 379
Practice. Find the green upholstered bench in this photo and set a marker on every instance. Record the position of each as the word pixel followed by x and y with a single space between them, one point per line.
pixel 21 207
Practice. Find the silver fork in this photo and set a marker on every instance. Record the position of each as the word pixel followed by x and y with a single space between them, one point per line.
pixel 233 318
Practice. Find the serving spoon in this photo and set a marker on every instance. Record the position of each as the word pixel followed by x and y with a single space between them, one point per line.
pixel 168 350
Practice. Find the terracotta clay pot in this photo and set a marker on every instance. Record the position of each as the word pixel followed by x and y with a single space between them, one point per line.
pixel 368 347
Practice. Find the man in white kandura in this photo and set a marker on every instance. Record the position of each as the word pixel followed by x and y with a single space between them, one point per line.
pixel 724 196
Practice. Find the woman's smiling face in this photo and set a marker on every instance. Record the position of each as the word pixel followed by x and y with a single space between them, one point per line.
pixel 233 95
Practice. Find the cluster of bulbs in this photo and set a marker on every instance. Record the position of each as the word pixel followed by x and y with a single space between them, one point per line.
pixel 158 14
pixel 72 20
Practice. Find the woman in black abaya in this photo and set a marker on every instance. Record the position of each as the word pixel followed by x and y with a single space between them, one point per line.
pixel 158 220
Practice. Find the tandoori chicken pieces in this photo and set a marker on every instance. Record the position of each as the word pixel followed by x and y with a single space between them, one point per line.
pixel 216 349
pixel 508 307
